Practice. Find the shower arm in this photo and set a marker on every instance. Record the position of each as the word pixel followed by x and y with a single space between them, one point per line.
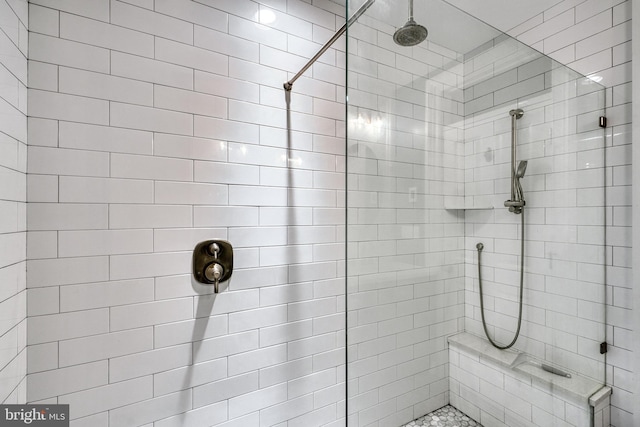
pixel 289 85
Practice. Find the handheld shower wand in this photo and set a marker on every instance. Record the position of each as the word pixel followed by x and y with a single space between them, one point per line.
pixel 522 167
pixel 515 205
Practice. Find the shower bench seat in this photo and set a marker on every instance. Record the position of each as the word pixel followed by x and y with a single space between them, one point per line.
pixel 503 388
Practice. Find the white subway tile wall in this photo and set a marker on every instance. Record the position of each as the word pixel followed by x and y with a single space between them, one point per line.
pixel 13 198
pixel 154 126
pixel 157 124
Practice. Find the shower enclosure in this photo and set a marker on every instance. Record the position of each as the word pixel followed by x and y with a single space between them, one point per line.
pixel 428 171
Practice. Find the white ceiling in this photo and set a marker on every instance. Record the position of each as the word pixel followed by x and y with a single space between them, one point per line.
pixel 503 14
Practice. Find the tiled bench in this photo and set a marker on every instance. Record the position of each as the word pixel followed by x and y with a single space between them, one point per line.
pixel 500 389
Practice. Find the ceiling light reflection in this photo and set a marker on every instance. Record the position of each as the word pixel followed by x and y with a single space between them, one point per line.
pixel 266 16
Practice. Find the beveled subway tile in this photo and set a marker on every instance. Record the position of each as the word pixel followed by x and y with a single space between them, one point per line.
pixel 226 44
pixel 189 102
pixel 191 56
pixel 96 190
pixel 51 216
pixel 150 167
pixel 190 330
pixel 191 193
pixel 231 216
pixel 96 400
pixel 69 53
pixel 103 138
pixel 151 410
pixel 257 400
pixel 178 146
pixel 149 362
pixel 208 127
pixel 243 8
pixel 64 271
pixel 146 21
pixel 55 327
pixel 226 173
pixel 149 265
pixel 43 76
pixel 149 216
pixel 91 32
pixel 103 86
pixel 42 244
pixel 105 294
pixel 41 357
pixel 150 313
pixel 194 12
pixel 44 20
pixel 216 413
pixel 42 301
pixel 152 119
pixel 150 70
pixel 51 105
pixel 99 10
pixel 224 389
pixel 257 196
pixel 215 348
pixel 15 308
pixel 66 380
pixel 104 346
pixel 15 188
pixel 228 87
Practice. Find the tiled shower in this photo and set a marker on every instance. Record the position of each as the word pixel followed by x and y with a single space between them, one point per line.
pixel 134 129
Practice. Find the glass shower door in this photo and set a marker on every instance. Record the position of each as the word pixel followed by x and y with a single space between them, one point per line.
pixel 405 260
pixel 428 172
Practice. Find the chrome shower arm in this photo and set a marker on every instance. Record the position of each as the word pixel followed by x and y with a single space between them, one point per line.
pixel 289 85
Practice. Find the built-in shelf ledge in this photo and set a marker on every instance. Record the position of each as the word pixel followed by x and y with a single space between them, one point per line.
pixel 453 207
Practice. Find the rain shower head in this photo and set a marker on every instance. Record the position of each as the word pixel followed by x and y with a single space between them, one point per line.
pixel 522 167
pixel 411 33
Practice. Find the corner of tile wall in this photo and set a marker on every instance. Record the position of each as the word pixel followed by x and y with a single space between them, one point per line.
pixel 13 197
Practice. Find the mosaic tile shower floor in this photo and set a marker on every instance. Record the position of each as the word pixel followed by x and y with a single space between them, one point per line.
pixel 447 416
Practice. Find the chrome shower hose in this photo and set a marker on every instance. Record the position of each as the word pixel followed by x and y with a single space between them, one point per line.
pixel 479 247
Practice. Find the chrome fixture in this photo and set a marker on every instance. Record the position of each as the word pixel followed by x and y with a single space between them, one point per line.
pixel 289 85
pixel 411 33
pixel 516 203
pixel 479 248
pixel 525 359
pixel 522 167
pixel 555 371
pixel 213 262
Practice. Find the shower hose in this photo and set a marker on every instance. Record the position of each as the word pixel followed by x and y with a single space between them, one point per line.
pixel 479 247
